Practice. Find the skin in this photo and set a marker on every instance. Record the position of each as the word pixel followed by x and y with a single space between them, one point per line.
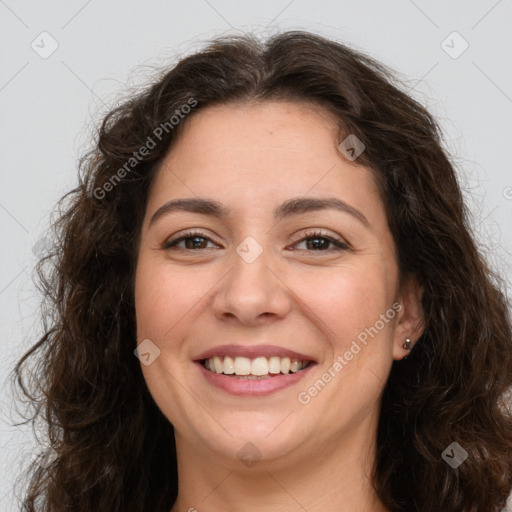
pixel 316 456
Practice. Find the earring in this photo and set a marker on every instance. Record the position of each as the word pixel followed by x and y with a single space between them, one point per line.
pixel 407 344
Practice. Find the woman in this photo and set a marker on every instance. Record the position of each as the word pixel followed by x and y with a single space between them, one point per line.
pixel 276 233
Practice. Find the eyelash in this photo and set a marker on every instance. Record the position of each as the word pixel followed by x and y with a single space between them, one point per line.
pixel 339 245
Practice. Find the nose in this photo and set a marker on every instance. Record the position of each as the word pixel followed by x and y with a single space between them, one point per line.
pixel 251 293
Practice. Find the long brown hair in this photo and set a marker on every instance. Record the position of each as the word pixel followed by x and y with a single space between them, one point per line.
pixel 114 448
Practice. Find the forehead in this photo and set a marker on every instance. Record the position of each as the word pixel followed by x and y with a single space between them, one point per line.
pixel 270 131
pixel 254 154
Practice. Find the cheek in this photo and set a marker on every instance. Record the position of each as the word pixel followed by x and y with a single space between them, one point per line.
pixel 163 297
pixel 347 301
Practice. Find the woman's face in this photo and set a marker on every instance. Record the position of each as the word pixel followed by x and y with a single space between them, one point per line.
pixel 291 257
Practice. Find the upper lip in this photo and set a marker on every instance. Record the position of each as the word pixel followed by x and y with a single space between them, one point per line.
pixel 252 351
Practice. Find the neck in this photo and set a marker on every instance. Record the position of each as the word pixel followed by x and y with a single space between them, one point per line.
pixel 336 479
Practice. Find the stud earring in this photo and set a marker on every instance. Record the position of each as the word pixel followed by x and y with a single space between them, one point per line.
pixel 408 343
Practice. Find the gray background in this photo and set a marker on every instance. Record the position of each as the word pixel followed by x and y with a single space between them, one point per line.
pixel 51 102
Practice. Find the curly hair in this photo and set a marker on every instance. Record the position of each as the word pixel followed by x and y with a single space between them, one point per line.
pixel 114 448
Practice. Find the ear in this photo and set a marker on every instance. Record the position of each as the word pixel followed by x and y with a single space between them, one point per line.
pixel 410 322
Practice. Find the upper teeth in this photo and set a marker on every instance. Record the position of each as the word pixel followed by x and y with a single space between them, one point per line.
pixel 257 366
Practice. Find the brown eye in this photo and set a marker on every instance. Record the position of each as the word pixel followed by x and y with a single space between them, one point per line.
pixel 319 242
pixel 189 241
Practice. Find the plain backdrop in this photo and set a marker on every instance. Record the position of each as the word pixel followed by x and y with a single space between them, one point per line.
pixel 63 63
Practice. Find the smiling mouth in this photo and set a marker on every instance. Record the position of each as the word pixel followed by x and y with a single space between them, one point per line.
pixel 257 368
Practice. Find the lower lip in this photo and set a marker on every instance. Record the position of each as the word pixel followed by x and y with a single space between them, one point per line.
pixel 253 387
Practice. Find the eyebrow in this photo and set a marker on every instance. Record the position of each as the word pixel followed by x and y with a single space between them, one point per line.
pixel 295 206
